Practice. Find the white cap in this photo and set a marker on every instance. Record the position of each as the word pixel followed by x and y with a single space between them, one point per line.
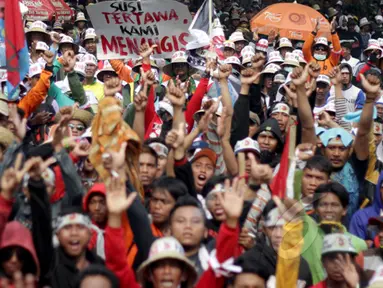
pixel 324 79
pixel 291 59
pixel 247 144
pixel 300 55
pixel 237 36
pixel 246 58
pixel 199 39
pixel 233 60
pixel 89 59
pixel 340 3
pixel 66 39
pixel 321 41
pixel 38 26
pixel 285 43
pixel 373 44
pixel 80 17
pixel 42 46
pixel 262 45
pixel 247 49
pixel 337 242
pixel 274 57
pixel 160 149
pixel 35 69
pixel 379 18
pixel 79 67
pixel 271 69
pixel 363 22
pixel 330 107
pixel 229 44
pixel 166 105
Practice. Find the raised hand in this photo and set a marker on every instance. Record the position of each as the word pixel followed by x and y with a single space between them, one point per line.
pixel 299 76
pixel 147 77
pixel 232 200
pixel 258 61
pixel 324 119
pixel 20 124
pixel 291 210
pixel 140 101
pixel 248 76
pixel 115 161
pixel 203 123
pixel 40 118
pixel 255 35
pixel 146 50
pixel 291 93
pixel 116 199
pixel 314 69
pixel 261 173
pixel 82 149
pixel 49 57
pixel 246 239
pixel 317 26
pixel 333 25
pixel 211 65
pixel 55 37
pixel 9 183
pixel 272 36
pixel 335 76
pixel 371 86
pixel 19 281
pixel 305 151
pixel 112 86
pixel 61 131
pixel 224 72
pixel 175 95
pixel 221 129
pixel 310 87
pixel 69 61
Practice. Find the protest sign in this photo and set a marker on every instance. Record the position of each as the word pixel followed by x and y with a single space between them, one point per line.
pixel 122 26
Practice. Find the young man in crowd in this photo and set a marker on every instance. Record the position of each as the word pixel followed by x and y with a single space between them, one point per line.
pixel 148 162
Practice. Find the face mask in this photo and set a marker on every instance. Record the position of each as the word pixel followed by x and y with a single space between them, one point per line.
pixel 373 58
pixel 288 68
pixel 320 57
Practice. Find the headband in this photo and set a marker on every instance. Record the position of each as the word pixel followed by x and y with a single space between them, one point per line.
pixel 282 108
pixel 73 218
pixel 160 149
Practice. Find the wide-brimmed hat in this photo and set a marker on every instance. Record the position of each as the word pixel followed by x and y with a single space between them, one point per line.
pixel 321 41
pixel 316 7
pixel 247 57
pixel 41 46
pixel 106 68
pixel 229 44
pixel 58 26
pixel 271 69
pixel 34 70
pixel 233 60
pixel 38 27
pixel 300 55
pixel 69 40
pixel 373 44
pixel 262 45
pixel 363 22
pixel 138 65
pixel 337 243
pixel 79 68
pixel 274 57
pixel 166 248
pixel 291 59
pixel 247 49
pixel 90 34
pixel 89 59
pixel 237 36
pixel 285 43
pixel 178 57
pixel 80 17
pixel 81 115
pixel 332 12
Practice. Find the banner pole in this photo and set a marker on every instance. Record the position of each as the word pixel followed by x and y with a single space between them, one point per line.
pixel 210 16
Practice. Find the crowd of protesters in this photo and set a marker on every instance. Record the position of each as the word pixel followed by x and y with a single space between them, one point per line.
pixel 163 173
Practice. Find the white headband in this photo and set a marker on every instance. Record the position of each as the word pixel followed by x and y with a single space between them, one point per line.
pixel 281 107
pixel 74 218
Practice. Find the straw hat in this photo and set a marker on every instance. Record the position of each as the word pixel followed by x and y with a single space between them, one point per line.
pixel 316 7
pixel 291 59
pixel 81 115
pixel 321 41
pixel 68 40
pixel 177 57
pixel 229 44
pixel 58 26
pixel 271 69
pixel 38 27
pixel 106 68
pixel 80 17
pixel 363 22
pixel 332 12
pixel 166 248
pixel 138 65
pixel 262 45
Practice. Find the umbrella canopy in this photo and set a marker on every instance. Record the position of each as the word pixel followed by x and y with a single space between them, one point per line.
pixel 39 10
pixel 291 20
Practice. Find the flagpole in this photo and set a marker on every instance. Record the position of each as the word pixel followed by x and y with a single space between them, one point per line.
pixel 210 15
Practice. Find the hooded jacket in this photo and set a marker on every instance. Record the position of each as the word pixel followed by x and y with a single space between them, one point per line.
pixel 16 234
pixel 359 222
pixel 271 125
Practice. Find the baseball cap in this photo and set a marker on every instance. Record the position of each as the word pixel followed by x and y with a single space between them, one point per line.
pixel 198 144
pixel 324 79
pixel 205 152
pixel 247 144
pixel 337 242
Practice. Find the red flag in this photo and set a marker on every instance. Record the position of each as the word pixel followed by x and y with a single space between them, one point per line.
pixel 154 129
pixel 279 184
pixel 16 51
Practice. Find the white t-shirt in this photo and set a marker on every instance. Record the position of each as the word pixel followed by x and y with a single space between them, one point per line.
pixel 354 96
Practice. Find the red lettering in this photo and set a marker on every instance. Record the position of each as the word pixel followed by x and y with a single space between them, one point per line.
pixel 116 17
pixel 127 18
pixel 160 15
pixel 166 46
pixel 106 14
pixel 173 14
pixel 138 20
pixel 151 43
pixel 132 45
pixel 175 43
pixel 182 37
pixel 122 46
pixel 106 46
pixel 148 18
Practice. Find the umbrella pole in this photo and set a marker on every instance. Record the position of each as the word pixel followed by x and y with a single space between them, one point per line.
pixel 210 15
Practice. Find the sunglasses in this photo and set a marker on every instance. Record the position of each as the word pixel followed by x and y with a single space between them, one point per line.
pixel 78 127
pixel 320 49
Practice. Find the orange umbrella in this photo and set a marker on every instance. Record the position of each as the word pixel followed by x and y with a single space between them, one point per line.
pixel 291 20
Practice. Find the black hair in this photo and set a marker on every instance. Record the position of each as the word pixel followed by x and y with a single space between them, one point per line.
pixel 155 140
pixel 320 163
pixel 98 270
pixel 149 150
pixel 67 26
pixel 270 205
pixel 334 188
pixel 212 182
pixel 66 210
pixel 29 265
pixel 176 187
pixel 188 200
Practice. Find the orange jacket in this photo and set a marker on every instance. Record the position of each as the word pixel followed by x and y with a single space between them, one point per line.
pixel 123 71
pixel 333 58
pixel 36 95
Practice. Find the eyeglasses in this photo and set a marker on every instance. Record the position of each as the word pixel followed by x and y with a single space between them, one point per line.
pixel 78 127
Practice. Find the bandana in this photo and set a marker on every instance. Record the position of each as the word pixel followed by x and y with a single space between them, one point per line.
pixel 282 108
pixel 74 218
pixel 339 134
